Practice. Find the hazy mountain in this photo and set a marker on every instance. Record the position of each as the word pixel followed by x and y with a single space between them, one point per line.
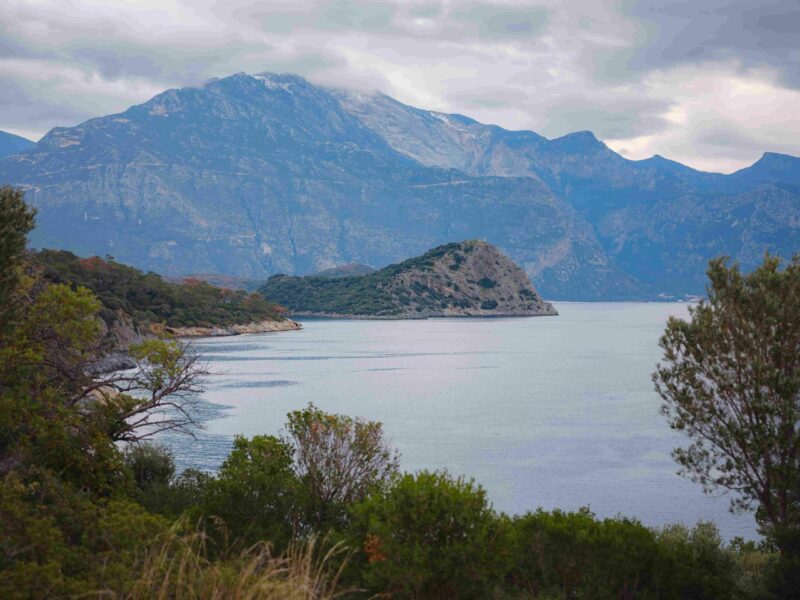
pixel 13 144
pixel 251 176
pixel 660 221
pixel 256 175
pixel 463 279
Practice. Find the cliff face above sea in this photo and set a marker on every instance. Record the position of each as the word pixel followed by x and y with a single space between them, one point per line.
pixel 471 278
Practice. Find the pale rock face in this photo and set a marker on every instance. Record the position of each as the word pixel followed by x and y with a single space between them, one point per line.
pixel 261 327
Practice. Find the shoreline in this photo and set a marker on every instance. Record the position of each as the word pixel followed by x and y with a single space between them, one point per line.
pixel 232 330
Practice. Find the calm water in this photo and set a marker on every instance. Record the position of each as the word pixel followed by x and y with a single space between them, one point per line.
pixel 550 412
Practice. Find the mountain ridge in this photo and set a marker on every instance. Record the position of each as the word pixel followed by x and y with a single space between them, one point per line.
pixel 13 144
pixel 255 175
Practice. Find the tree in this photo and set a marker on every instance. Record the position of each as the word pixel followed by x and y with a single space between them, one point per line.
pixel 730 380
pixel 16 221
pixel 54 413
pixel 161 394
pixel 339 460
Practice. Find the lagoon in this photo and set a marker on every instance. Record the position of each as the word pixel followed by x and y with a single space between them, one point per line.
pixel 552 412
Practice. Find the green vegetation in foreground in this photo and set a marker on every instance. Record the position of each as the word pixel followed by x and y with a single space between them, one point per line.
pixel 90 509
pixel 372 294
pixel 149 299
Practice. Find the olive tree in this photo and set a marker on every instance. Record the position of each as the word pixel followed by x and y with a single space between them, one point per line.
pixel 730 380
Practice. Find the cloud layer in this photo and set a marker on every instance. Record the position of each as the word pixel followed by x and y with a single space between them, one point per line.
pixel 712 84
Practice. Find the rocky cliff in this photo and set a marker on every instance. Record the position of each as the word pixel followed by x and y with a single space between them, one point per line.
pixel 471 278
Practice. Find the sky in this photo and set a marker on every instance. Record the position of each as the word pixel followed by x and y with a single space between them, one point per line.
pixel 709 83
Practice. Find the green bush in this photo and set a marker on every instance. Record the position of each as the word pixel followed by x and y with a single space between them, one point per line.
pixel 56 541
pixel 150 464
pixel 431 536
pixel 255 496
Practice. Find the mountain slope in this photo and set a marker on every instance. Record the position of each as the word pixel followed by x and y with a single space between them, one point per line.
pixel 13 144
pixel 470 278
pixel 253 175
pixel 658 220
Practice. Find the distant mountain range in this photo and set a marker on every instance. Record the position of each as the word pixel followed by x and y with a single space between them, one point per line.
pixel 255 175
pixel 13 144
pixel 461 279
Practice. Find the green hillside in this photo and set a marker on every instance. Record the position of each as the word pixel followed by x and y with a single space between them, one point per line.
pixel 148 298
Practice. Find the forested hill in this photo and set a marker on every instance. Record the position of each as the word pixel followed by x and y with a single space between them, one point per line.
pixel 148 299
pixel 470 278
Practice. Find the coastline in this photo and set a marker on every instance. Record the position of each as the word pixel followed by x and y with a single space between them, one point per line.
pixel 268 326
pixel 550 312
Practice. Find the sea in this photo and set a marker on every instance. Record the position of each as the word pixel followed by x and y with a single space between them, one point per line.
pixel 543 412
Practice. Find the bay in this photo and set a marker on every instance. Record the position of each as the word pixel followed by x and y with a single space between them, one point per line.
pixel 552 412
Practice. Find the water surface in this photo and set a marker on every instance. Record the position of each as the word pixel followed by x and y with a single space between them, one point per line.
pixel 551 411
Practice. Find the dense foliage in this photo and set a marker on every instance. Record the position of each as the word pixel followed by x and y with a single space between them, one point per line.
pixel 372 294
pixel 150 299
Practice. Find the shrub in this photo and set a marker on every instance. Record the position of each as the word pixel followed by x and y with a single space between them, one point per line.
pixel 431 536
pixel 338 460
pixel 150 464
pixel 575 555
pixel 255 494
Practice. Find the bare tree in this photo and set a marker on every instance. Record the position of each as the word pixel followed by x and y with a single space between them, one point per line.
pixel 162 393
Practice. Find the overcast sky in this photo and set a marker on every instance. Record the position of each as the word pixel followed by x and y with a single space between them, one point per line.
pixel 710 83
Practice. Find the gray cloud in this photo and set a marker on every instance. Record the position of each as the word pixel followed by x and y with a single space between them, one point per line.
pixel 647 76
pixel 752 33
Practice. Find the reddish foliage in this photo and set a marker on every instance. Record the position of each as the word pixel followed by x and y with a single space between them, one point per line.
pixel 372 547
pixel 93 263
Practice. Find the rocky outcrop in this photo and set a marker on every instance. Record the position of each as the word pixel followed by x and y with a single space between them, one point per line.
pixel 262 327
pixel 466 279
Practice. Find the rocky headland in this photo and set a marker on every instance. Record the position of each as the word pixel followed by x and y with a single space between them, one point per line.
pixel 466 279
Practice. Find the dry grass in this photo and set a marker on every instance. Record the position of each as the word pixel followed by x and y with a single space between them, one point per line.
pixel 178 570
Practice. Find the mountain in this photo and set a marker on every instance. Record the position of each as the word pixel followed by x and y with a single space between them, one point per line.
pixel 657 220
pixel 13 144
pixel 255 175
pixel 470 278
pixel 348 270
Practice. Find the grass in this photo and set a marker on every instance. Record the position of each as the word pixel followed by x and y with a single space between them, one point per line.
pixel 178 569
